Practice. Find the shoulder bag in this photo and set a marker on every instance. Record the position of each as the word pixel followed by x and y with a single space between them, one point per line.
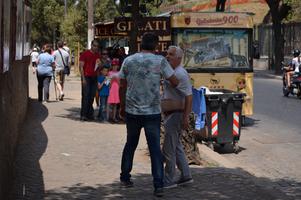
pixel 66 67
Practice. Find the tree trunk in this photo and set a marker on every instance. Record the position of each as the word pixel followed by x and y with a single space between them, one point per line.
pixel 278 11
pixel 279 46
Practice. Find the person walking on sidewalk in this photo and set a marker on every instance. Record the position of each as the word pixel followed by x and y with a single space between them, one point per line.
pixel 45 68
pixel 87 62
pixel 34 58
pixel 176 120
pixel 140 104
pixel 66 48
pixel 61 57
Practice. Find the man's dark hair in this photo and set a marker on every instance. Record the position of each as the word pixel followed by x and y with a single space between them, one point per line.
pixel 48 48
pixel 60 44
pixel 94 42
pixel 149 41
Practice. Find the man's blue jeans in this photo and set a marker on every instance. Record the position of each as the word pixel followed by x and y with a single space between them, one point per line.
pixel 151 125
pixel 88 94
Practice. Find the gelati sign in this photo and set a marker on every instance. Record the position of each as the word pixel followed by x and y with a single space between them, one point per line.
pixel 157 25
pixel 106 30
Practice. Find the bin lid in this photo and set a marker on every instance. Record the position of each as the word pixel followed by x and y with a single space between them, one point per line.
pixel 224 93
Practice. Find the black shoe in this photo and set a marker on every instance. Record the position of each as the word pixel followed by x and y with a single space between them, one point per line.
pixel 86 119
pixel 126 184
pixel 158 192
pixel 83 118
pixel 170 185
pixel 184 181
pixel 100 119
pixel 90 118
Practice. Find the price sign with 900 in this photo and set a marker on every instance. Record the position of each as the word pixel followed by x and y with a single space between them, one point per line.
pixel 230 19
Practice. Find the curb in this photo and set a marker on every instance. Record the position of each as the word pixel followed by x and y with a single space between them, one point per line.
pixel 215 158
pixel 266 74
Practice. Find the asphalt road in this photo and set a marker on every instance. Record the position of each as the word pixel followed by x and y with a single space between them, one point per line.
pixel 270 143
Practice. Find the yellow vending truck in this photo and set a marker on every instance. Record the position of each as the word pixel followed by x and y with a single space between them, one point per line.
pixel 217 46
pixel 217 50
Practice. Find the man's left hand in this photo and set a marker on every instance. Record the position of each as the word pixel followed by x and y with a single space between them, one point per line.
pixel 185 122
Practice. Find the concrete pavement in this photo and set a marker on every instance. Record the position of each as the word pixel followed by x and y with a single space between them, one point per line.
pixel 60 157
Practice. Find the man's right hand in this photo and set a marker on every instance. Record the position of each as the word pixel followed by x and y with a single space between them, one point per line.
pixel 84 82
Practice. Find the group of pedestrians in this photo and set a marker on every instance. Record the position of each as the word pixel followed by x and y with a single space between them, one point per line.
pixel 135 95
pixel 48 65
pixel 108 91
pixel 140 78
pixel 100 81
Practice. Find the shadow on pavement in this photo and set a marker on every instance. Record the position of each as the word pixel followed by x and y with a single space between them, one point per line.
pixel 73 113
pixel 227 149
pixel 209 183
pixel 28 180
pixel 250 122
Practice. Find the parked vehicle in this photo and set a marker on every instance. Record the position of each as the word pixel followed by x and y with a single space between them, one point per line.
pixel 217 47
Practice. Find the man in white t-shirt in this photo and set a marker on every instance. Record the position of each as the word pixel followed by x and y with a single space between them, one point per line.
pixel 66 47
pixel 61 58
pixel 175 121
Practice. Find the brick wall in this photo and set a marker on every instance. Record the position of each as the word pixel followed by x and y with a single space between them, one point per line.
pixel 13 107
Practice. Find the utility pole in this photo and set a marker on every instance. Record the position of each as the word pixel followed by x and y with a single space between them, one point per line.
pixel 65 8
pixel 90 22
pixel 135 14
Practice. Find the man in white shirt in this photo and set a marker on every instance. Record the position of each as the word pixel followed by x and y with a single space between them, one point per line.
pixel 66 47
pixel 175 121
pixel 61 58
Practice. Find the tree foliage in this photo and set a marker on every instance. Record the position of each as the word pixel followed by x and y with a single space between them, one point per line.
pixel 295 14
pixel 105 10
pixel 289 10
pixel 50 24
pixel 47 15
pixel 74 28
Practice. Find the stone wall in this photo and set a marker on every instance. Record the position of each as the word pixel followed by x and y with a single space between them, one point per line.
pixel 13 107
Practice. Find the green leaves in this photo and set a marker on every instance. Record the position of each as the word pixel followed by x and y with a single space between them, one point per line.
pixel 105 10
pixel 74 28
pixel 296 10
pixel 50 23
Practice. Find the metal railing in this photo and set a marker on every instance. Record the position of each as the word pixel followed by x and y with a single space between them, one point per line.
pixel 265 37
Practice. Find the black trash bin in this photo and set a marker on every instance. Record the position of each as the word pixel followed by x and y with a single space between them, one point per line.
pixel 223 117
